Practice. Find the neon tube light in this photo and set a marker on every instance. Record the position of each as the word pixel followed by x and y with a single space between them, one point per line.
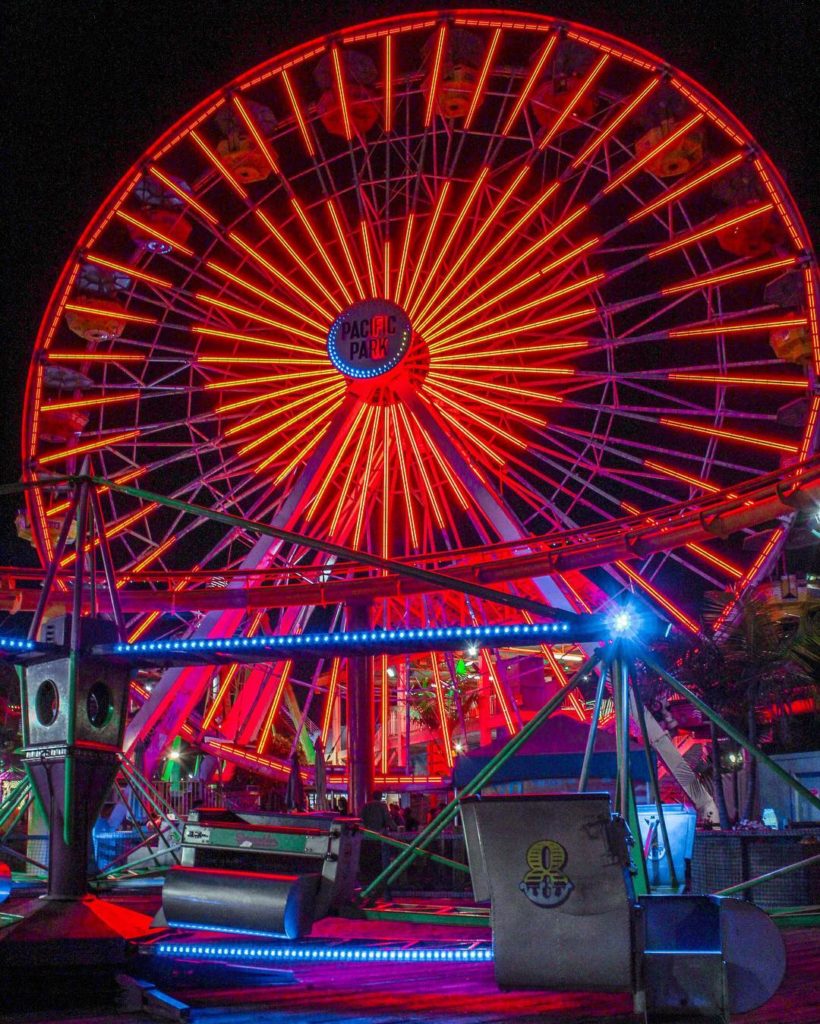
pixel 723 277
pixel 435 77
pixel 566 113
pixel 727 380
pixel 152 232
pixel 478 92
pixel 664 144
pixel 345 247
pixel 730 327
pixel 730 435
pixel 294 102
pixel 308 226
pixel 610 128
pixel 186 197
pixel 675 612
pixel 76 307
pixel 532 80
pixel 265 295
pixel 217 163
pixel 687 186
pixel 89 401
pixel 89 446
pixel 124 268
pixel 250 124
pixel 714 228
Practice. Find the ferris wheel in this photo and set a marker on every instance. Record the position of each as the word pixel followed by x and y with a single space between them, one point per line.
pixel 431 287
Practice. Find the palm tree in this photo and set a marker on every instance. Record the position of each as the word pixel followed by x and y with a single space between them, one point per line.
pixel 755 663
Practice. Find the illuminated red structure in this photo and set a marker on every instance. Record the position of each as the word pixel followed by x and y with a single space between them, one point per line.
pixel 441 283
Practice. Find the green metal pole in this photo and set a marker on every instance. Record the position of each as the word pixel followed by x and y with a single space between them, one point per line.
pixel 730 730
pixel 481 779
pixel 439 580
pixel 593 732
pixel 769 874
pixel 399 845
pixel 654 786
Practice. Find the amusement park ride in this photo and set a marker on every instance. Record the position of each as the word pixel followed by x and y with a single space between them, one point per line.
pixel 454 333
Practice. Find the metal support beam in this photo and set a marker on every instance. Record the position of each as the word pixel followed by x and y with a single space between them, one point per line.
pixel 359 716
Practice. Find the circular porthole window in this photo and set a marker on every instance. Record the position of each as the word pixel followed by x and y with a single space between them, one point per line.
pixel 99 705
pixel 47 702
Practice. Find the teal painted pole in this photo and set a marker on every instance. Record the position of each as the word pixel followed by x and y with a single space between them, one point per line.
pixel 729 729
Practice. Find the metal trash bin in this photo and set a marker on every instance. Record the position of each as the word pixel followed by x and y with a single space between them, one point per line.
pixel 556 869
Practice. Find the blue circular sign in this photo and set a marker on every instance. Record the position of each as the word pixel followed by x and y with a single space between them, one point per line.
pixel 369 338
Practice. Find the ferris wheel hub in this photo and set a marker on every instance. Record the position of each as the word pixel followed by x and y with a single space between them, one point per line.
pixel 369 338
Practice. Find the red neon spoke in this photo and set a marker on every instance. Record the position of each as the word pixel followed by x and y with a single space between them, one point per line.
pixel 351 471
pixel 126 268
pixel 408 495
pixel 733 380
pixel 341 91
pixel 388 83
pixel 428 314
pixel 511 233
pixel 275 393
pixel 330 699
pixel 280 275
pixel 256 135
pixel 732 327
pixel 448 241
pixel 728 276
pixel 568 257
pixel 265 296
pixel 368 256
pixel 297 111
pixel 249 314
pixel 446 471
pixel 729 435
pixel 371 448
pixel 405 249
pixel 279 410
pixel 182 194
pixel 331 473
pixel 609 129
pixel 699 234
pixel 442 709
pixel 421 471
pixel 266 732
pixel 566 113
pixel 410 295
pixel 512 265
pixel 478 92
pixel 151 232
pixel 90 401
pixel 532 80
pixel 214 160
pixel 507 389
pixel 317 429
pixel 322 375
pixel 309 410
pixel 345 247
pixel 749 576
pixel 666 143
pixel 320 248
pixel 435 76
pixel 541 300
pixel 687 186
pixel 664 602
pixel 294 255
pixel 89 446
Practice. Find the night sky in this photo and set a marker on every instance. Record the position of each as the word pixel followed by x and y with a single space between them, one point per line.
pixel 88 86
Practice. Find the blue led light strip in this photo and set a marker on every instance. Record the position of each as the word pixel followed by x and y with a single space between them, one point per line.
pixel 474 635
pixel 9 643
pixel 322 954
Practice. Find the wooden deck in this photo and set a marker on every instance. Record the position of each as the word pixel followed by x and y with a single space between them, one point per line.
pixel 433 993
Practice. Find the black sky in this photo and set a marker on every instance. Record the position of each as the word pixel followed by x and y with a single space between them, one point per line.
pixel 88 86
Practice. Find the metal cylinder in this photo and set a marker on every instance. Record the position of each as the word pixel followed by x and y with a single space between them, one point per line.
pixel 240 901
